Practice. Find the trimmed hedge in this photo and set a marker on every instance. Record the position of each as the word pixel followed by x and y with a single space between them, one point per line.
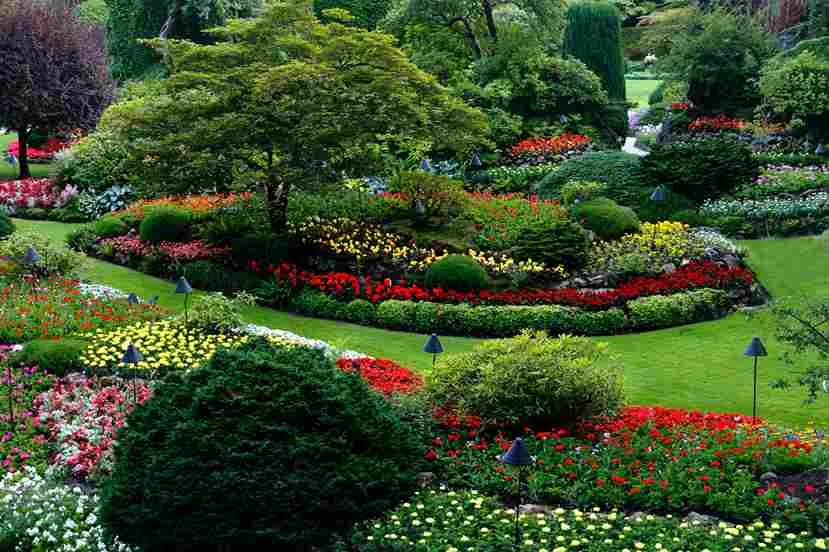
pixel 620 171
pixel 502 321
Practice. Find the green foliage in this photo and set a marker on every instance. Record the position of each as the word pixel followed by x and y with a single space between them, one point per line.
pixel 720 56
pixel 553 242
pixel 110 226
pixel 530 380
pixel 58 357
pixel 662 311
pixel 97 162
pixel 442 197
pixel 263 247
pixel 6 224
pixel 55 259
pixel 797 86
pixel 211 276
pixel 458 273
pixel 264 446
pixel 366 13
pixel 576 191
pixel 165 224
pixel 674 207
pixel 274 292
pixel 594 35
pixel 82 240
pixel 94 11
pixel 618 170
pixel 216 313
pixel 607 219
pixel 801 329
pixel 701 168
pixel 657 96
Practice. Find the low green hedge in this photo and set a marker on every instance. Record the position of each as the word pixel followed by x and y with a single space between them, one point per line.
pixel 646 313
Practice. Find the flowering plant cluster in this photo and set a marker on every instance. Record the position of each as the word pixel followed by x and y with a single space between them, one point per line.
pixel 537 151
pixel 383 375
pixel 811 205
pixel 347 287
pixel 31 193
pixel 718 123
pixel 81 419
pixel 40 516
pixel 44 153
pixel 128 247
pixel 21 440
pixel 501 219
pixel 653 459
pixel 786 179
pixel 510 178
pixel 33 309
pixel 441 521
pixel 680 106
pixel 194 203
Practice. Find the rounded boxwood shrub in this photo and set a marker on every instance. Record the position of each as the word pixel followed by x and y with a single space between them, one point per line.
pixel 458 273
pixel 553 242
pixel 262 446
pixel 606 218
pixel 165 224
pixel 110 226
pixel 58 357
pixel 531 379
pixel 6 224
pixel 618 170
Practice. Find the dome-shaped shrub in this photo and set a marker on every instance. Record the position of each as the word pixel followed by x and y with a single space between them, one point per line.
pixel 165 224
pixel 458 273
pixel 620 171
pixel 553 242
pixel 6 224
pixel 262 446
pixel 605 217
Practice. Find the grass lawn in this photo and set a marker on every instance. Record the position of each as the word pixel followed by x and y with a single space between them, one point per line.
pixel 638 91
pixel 699 366
pixel 9 172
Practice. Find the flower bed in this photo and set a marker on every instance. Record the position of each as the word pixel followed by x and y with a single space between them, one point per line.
pixel 194 203
pixel 383 375
pixel 22 440
pixel 716 124
pixel 42 154
pixel 653 459
pixel 125 248
pixel 778 216
pixel 34 193
pixel 536 151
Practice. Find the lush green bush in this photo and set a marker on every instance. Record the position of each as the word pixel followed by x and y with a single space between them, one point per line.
pixel 211 276
pixel 215 313
pixel 530 380
pixel 98 162
pixel 6 224
pixel 458 273
pixel 607 219
pixel 553 242
pixel 799 86
pixel 576 191
pixel 58 357
pixel 701 168
pixel 656 211
pixel 230 456
pixel 110 226
pixel 657 95
pixel 165 224
pixel 55 259
pixel 619 171
pixel 82 240
pixel 594 35
pixel 263 247
pixel 366 13
pixel 662 311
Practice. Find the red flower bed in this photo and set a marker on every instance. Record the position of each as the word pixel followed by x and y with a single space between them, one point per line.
pixel 542 150
pixel 720 122
pixel 383 375
pixel 44 153
pixel 680 106
pixel 132 246
pixel 694 275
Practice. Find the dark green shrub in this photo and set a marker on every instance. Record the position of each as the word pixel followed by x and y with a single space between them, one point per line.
pixel 656 211
pixel 243 217
pixel 165 224
pixel 274 292
pixel 109 226
pixel 662 311
pixel 618 170
pixel 594 35
pixel 6 224
pixel 530 380
pixel 397 315
pixel 263 247
pixel 701 168
pixel 606 218
pixel 33 213
pixel 553 242
pixel 315 303
pixel 458 273
pixel 360 311
pixel 57 357
pixel 83 239
pixel 210 276
pixel 263 446
pixel 657 95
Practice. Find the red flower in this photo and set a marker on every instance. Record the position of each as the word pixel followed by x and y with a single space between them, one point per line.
pixel 431 454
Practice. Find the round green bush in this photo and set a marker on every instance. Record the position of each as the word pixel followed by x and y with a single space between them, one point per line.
pixel 618 170
pixel 58 357
pixel 262 446
pixel 6 224
pixel 110 226
pixel 264 247
pixel 606 218
pixel 165 224
pixel 530 380
pixel 553 242
pixel 458 273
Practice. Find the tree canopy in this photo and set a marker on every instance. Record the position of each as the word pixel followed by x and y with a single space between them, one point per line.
pixel 284 99
pixel 53 71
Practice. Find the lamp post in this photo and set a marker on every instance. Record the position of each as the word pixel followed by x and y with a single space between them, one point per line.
pixel 425 166
pixel 755 349
pixel 133 357
pixel 433 347
pixel 132 299
pixel 183 288
pixel 657 196
pixel 517 456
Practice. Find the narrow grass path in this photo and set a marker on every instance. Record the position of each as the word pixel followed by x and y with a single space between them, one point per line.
pixel 699 366
pixel 640 90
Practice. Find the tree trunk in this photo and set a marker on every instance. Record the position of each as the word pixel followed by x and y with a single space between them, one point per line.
pixel 473 40
pixel 277 191
pixel 23 152
pixel 169 25
pixel 490 20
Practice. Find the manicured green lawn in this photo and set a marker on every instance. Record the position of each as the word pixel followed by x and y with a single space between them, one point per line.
pixel 9 172
pixel 699 366
pixel 638 91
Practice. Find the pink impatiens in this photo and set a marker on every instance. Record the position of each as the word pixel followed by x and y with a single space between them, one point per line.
pixel 31 193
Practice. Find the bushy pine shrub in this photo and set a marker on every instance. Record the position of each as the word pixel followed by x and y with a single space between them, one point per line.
pixel 263 247
pixel 606 218
pixel 263 446
pixel 594 35
pixel 458 273
pixel 212 276
pixel 553 242
pixel 165 224
pixel 6 224
pixel 619 171
pixel 530 380
pixel 701 168
pixel 109 226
